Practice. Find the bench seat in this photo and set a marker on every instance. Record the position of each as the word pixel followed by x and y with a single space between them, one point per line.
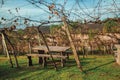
pixel 47 56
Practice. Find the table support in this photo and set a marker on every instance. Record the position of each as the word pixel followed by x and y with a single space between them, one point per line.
pixel 30 61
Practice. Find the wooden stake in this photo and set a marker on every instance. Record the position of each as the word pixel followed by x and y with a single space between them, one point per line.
pixel 72 44
pixel 30 49
pixel 47 48
pixel 39 37
pixel 16 61
pixel 6 50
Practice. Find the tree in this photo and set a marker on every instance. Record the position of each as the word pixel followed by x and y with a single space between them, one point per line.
pixel 4 39
pixel 61 14
pixel 109 25
pixel 58 10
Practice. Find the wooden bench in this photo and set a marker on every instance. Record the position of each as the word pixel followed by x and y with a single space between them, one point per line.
pixel 42 58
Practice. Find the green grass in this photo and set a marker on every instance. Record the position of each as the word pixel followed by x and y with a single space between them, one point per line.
pixel 95 68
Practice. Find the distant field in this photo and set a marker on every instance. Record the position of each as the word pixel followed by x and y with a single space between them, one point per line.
pixel 95 67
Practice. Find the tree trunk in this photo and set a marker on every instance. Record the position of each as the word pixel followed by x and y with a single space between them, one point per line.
pixel 72 44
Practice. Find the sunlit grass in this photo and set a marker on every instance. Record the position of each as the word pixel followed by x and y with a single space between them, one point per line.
pixel 95 68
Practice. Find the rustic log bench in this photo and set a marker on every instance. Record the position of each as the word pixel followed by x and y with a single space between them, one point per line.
pixel 42 58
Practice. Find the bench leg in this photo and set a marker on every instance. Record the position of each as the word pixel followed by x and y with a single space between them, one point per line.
pixel 40 60
pixel 62 62
pixel 30 61
pixel 67 55
pixel 44 63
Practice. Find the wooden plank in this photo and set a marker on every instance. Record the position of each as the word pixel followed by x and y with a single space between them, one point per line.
pixel 46 55
pixel 52 48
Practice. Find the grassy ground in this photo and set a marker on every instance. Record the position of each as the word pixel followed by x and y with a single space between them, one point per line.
pixel 95 68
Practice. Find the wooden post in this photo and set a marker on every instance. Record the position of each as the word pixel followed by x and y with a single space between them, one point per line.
pixel 118 58
pixel 30 61
pixel 117 54
pixel 39 41
pixel 104 49
pixel 40 58
pixel 67 53
pixel 16 61
pixel 30 49
pixel 3 48
pixel 44 63
pixel 83 51
pixel 62 60
pixel 47 47
pixel 71 43
pixel 91 49
pixel 6 50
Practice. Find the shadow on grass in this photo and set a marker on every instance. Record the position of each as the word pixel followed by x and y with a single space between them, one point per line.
pixel 87 59
pixel 98 66
pixel 25 72
pixel 84 62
